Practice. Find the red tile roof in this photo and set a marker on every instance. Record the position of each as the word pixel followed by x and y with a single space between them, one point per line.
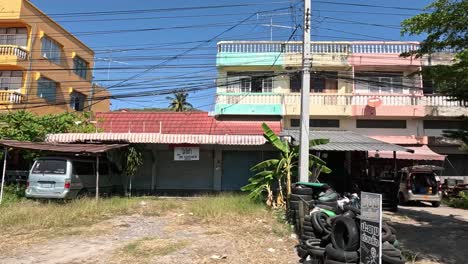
pixel 178 123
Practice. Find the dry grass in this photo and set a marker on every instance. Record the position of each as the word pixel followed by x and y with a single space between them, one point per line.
pixel 31 215
pixel 221 225
pixel 145 249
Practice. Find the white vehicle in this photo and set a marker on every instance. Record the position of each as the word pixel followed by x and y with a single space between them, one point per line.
pixel 420 183
pixel 69 178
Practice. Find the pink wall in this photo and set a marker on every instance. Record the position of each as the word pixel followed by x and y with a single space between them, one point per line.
pixel 388 110
pixel 379 59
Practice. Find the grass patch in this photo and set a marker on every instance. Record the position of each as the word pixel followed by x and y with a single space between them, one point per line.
pixel 13 194
pixel 143 250
pixel 33 215
pixel 409 256
pixel 220 207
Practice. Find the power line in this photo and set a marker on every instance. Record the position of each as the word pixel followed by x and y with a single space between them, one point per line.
pixel 185 52
pixel 368 5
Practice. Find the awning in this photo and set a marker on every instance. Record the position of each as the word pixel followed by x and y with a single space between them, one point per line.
pixel 420 153
pixel 63 148
pixel 156 138
pixel 344 141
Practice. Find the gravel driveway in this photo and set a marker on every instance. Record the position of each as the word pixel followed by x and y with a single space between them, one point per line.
pixel 434 235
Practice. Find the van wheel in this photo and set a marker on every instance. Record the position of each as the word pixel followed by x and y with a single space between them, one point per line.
pixel 83 193
pixel 393 208
pixel 435 204
pixel 401 199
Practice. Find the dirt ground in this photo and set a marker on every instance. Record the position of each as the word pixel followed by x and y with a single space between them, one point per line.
pixel 428 235
pixel 432 235
pixel 167 239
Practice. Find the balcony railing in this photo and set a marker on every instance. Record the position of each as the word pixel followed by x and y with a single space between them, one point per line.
pixel 8 50
pixel 340 99
pixel 248 98
pixel 9 97
pixel 317 47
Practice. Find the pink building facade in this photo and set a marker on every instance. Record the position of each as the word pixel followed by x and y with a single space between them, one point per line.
pixel 365 87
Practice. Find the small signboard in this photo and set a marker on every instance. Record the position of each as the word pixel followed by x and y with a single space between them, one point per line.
pixel 186 153
pixel 371 228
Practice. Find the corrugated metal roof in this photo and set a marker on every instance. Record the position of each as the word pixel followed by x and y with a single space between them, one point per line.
pixel 420 153
pixel 179 123
pixel 158 138
pixel 58 147
pixel 344 141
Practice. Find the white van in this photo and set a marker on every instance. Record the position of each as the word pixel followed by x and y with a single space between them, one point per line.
pixel 69 178
pixel 420 183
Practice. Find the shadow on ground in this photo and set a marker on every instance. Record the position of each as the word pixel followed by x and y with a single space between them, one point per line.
pixel 439 238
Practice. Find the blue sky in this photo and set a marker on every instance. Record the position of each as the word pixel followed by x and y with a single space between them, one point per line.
pixel 132 52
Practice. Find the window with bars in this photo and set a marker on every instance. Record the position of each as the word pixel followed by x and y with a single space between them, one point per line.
pixel 77 101
pixel 47 89
pixel 320 82
pixel 362 123
pixel 11 80
pixel 51 50
pixel 380 82
pixel 13 36
pixel 317 123
pixel 80 67
pixel 250 82
pixel 245 85
pixel 267 85
pixel 443 124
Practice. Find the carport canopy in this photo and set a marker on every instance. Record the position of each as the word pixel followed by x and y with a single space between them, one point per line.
pixel 341 140
pixel 61 147
pixel 94 149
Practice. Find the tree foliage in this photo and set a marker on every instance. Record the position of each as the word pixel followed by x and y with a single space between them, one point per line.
pixel 26 126
pixel 444 23
pixel 133 162
pixel 179 103
pixel 446 26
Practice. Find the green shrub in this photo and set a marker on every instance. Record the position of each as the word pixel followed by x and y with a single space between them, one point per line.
pixel 13 193
pixel 460 202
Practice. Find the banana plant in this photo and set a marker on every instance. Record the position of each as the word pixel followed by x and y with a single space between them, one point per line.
pixel 281 170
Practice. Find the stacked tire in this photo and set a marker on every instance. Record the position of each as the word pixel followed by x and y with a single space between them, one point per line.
pixel 316 232
pixel 299 195
pixel 344 240
pixel 336 240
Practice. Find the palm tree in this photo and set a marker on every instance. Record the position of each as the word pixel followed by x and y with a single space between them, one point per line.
pixel 179 102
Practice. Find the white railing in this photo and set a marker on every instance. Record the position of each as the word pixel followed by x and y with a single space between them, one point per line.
pixel 394 47
pixel 11 97
pixel 319 99
pixel 14 39
pixel 248 98
pixel 8 50
pixel 393 100
pixel 339 99
pixel 11 83
pixel 440 100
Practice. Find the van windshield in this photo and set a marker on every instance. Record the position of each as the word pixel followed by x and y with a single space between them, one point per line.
pixel 50 166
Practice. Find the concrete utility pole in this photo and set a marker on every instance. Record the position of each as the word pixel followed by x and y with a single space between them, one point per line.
pixel 305 96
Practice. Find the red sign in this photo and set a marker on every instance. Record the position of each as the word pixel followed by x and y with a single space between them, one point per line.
pixel 374 102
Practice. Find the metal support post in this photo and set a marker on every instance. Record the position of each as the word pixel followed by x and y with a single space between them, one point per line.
pixel 3 174
pixel 305 96
pixel 97 177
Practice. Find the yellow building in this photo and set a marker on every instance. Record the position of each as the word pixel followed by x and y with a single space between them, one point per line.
pixel 43 67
